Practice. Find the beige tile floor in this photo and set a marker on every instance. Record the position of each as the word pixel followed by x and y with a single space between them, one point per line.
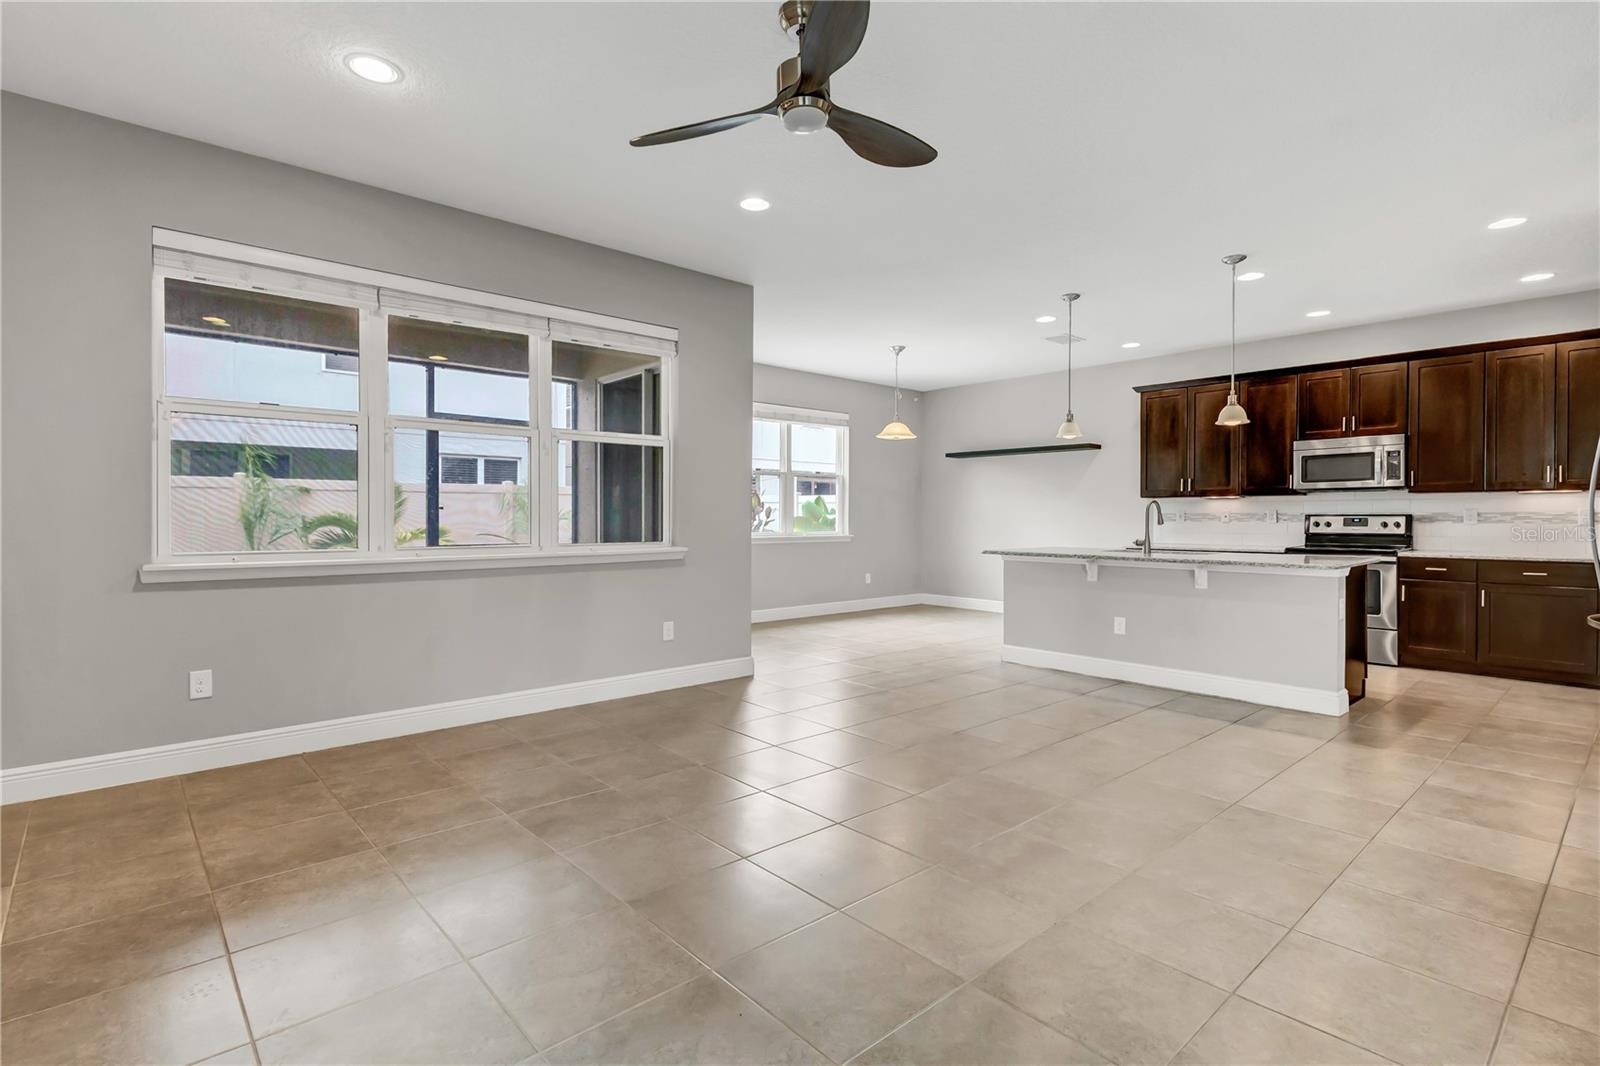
pixel 887 847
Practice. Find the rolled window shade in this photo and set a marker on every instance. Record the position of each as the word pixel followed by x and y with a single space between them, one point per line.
pixel 406 303
pixel 782 413
pixel 596 337
pixel 253 276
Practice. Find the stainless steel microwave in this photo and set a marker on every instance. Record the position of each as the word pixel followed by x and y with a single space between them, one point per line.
pixel 1350 463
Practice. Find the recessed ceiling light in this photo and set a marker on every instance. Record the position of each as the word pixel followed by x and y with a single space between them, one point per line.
pixel 754 203
pixel 1318 314
pixel 1543 275
pixel 215 320
pixel 1507 223
pixel 437 358
pixel 1045 318
pixel 1252 275
pixel 1131 344
pixel 372 68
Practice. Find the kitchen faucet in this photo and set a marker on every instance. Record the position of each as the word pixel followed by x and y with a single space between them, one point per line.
pixel 1161 520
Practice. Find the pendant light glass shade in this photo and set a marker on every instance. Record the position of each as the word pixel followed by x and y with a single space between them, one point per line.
pixel 1069 429
pixel 896 429
pixel 1233 413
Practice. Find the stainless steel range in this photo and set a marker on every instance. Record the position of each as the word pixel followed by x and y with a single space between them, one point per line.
pixel 1385 535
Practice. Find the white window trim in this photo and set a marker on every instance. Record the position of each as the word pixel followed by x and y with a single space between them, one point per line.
pixel 374 426
pixel 786 472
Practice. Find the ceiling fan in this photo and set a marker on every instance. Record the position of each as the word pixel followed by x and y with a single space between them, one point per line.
pixel 830 32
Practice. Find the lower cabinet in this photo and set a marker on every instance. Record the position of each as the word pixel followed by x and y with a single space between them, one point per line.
pixel 1494 616
pixel 1529 628
pixel 1438 623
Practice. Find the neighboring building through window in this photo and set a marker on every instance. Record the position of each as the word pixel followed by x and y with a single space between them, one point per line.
pixel 798 463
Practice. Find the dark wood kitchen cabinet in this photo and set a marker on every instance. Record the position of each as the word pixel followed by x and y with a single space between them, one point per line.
pixel 1182 451
pixel 1577 411
pixel 1538 630
pixel 1213 449
pixel 1438 623
pixel 1520 418
pixel 1267 447
pixel 1446 423
pixel 1355 401
pixel 1163 442
pixel 1503 617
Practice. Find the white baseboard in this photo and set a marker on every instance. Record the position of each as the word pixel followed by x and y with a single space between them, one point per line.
pixel 124 767
pixel 876 603
pixel 813 610
pixel 965 603
pixel 1266 693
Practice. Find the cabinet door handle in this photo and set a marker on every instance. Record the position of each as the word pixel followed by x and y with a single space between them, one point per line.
pixel 1413 476
pixel 1560 476
pixel 1483 598
pixel 1402 594
pixel 1547 472
pixel 1440 569
pixel 1534 573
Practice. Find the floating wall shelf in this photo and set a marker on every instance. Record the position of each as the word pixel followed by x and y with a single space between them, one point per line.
pixel 1030 449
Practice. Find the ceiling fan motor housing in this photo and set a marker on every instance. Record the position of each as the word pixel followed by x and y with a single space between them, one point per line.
pixel 793 15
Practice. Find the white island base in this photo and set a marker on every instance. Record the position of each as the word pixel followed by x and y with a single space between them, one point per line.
pixel 1273 630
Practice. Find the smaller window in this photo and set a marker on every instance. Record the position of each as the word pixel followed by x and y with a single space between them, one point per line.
pixel 797 474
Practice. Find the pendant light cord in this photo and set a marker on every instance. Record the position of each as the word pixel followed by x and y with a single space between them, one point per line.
pixel 1069 358
pixel 1233 329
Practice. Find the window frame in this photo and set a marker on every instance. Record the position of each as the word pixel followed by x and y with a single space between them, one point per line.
pixel 787 473
pixel 376 551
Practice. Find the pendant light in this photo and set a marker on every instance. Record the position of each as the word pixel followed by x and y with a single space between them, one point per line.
pixel 896 429
pixel 1069 426
pixel 1233 413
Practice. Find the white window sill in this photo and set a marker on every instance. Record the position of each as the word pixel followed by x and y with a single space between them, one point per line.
pixel 799 538
pixel 267 569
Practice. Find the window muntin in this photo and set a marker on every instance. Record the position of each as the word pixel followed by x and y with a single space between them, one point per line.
pixel 797 479
pixel 315 403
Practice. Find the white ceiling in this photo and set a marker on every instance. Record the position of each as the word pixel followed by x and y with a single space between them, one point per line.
pixel 1356 151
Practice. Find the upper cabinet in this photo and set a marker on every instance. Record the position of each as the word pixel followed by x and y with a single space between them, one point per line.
pixel 1182 451
pixel 1446 446
pixel 1267 454
pixel 1520 418
pixel 1577 411
pixel 1164 442
pixel 1213 449
pixel 1353 401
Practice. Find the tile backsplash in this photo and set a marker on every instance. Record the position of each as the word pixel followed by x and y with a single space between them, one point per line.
pixel 1540 524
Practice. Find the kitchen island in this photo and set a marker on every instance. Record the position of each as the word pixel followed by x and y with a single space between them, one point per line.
pixel 1283 630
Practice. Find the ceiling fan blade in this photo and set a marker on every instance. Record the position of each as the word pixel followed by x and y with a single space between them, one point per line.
pixel 701 129
pixel 831 36
pixel 878 142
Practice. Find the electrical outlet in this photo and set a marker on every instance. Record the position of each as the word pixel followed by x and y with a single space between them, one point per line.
pixel 869 579
pixel 1119 626
pixel 666 631
pixel 199 684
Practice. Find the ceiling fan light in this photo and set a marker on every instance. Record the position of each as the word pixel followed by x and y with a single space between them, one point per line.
pixel 1233 414
pixel 1069 428
pixel 803 118
pixel 896 430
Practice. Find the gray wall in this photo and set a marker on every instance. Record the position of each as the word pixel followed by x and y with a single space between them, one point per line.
pixel 1092 498
pixel 96 663
pixel 881 490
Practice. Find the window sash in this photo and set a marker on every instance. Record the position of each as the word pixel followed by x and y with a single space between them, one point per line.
pixel 375 426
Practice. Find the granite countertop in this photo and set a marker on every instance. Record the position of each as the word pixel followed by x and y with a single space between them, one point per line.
pixel 1498 555
pixel 1265 560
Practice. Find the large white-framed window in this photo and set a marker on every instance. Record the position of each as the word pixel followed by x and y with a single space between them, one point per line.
pixel 314 417
pixel 799 467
